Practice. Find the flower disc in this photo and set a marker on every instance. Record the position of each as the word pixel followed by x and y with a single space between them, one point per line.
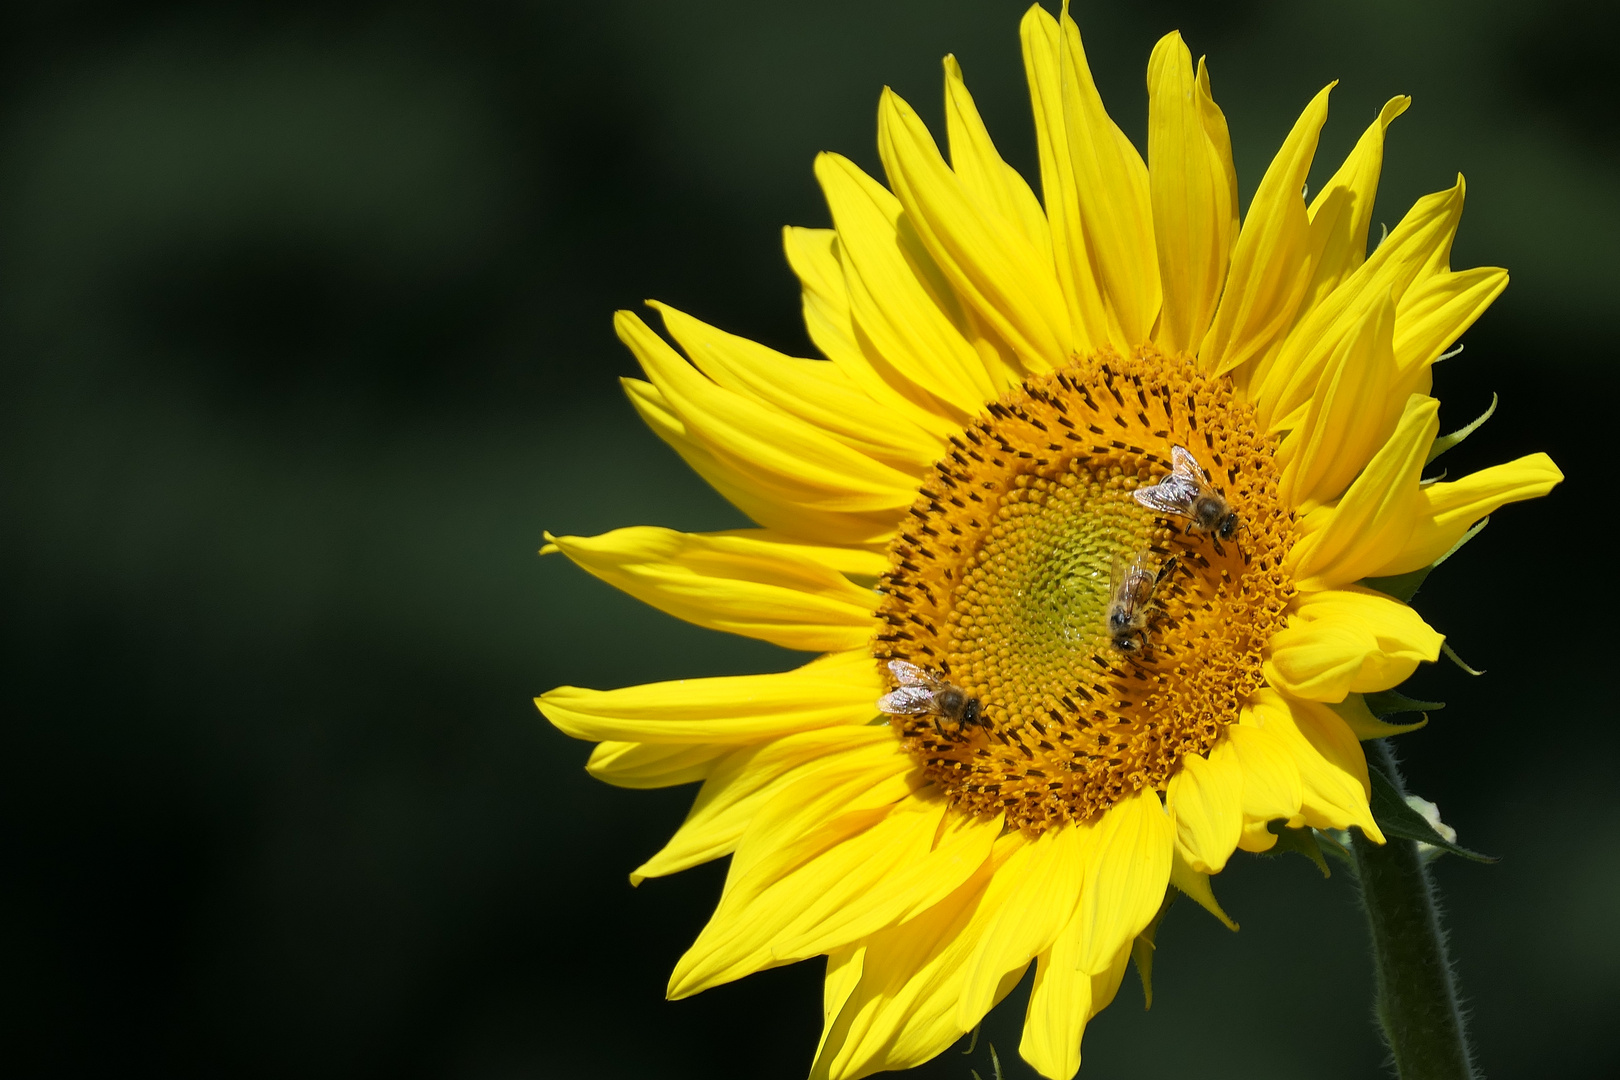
pixel 1002 577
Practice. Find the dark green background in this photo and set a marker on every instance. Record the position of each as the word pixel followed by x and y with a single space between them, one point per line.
pixel 304 311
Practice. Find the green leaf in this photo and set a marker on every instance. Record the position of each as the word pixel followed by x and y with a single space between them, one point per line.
pixel 1396 818
pixel 1392 702
pixel 1446 442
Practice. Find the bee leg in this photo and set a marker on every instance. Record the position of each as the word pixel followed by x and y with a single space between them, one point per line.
pixel 1216 541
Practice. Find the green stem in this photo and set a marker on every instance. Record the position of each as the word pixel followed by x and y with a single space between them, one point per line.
pixel 1417 999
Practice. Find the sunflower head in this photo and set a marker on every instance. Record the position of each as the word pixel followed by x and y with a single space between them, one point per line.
pixel 1082 509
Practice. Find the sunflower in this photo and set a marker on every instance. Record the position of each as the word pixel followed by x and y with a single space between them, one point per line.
pixel 1100 492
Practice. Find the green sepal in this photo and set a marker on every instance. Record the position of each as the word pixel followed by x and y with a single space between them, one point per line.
pixel 1396 818
pixel 1405 586
pixel 1365 724
pixel 1142 949
pixel 1300 841
pixel 1451 654
pixel 1446 442
pixel 1392 702
pixel 1332 842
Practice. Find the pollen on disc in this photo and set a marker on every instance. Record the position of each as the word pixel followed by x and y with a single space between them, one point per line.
pixel 1000 579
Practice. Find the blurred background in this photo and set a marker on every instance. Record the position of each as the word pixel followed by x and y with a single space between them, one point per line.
pixel 305 325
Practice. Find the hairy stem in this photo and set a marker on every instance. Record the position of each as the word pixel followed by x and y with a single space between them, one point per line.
pixel 1417 998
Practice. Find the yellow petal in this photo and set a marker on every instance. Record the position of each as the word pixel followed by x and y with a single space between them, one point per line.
pixel 1434 313
pixel 653 765
pixel 866 563
pixel 984 174
pixel 1271 263
pixel 1419 242
pixel 730 583
pixel 1082 290
pixel 1348 418
pixel 993 268
pixel 1445 511
pixel 852 876
pixel 1221 140
pixel 1034 896
pixel 903 1010
pixel 1352 538
pixel 1271 784
pixel 730 709
pixel 867 898
pixel 1342 210
pixel 746 779
pixel 1061 1001
pixel 814 256
pixel 1193 216
pixel 815 391
pixel 1205 799
pixel 1332 768
pixel 1353 640
pixel 904 312
pixel 771 507
pixel 1125 881
pixel 1116 207
pixel 770 448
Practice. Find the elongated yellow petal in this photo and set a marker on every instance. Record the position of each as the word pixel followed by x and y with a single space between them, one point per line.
pixel 1332 768
pixel 1433 314
pixel 903 1010
pixel 1445 511
pixel 730 709
pixel 1042 886
pixel 1342 211
pixel 1193 217
pixel 983 173
pixel 1205 800
pixel 1129 867
pixel 1352 640
pixel 1271 264
pixel 1062 1000
pixel 730 583
pixel 814 256
pixel 1082 290
pixel 1221 140
pixel 1195 886
pixel 746 779
pixel 768 507
pixel 1348 418
pixel 1271 783
pixel 904 312
pixel 1352 538
pixel 770 448
pixel 1419 246
pixel 871 897
pixel 653 765
pixel 984 256
pixel 1116 207
pixel 856 562
pixel 853 876
pixel 815 391
pixel 873 776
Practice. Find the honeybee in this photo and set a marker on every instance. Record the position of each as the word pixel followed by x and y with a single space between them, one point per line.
pixel 1130 602
pixel 1186 493
pixel 923 693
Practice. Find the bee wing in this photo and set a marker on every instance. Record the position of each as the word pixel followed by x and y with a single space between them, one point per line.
pixel 1187 465
pixel 907 701
pixel 1174 494
pixel 908 674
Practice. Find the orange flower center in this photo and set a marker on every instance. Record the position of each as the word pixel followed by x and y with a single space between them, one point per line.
pixel 1004 582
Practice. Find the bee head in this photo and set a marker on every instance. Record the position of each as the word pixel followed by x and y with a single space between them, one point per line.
pixel 970 711
pixel 1228 526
